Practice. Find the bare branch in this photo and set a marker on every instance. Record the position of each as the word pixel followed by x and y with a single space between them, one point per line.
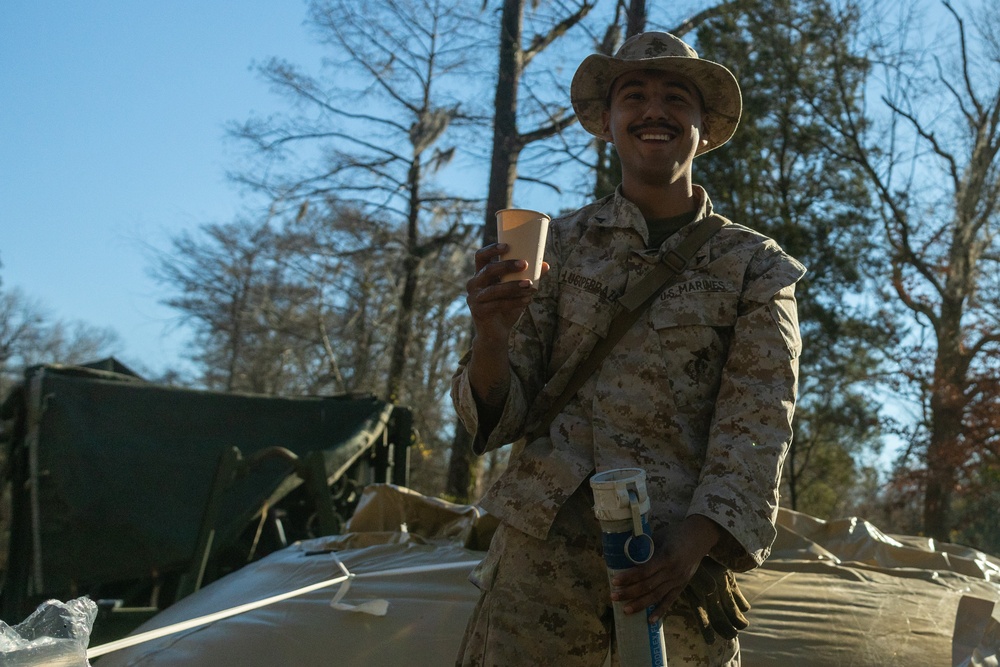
pixel 540 42
pixel 990 339
pixel 548 184
pixel 555 127
pixel 282 74
pixel 959 100
pixel 965 58
pixel 692 23
pixel 929 136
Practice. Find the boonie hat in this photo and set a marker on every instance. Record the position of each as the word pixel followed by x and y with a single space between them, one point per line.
pixel 719 89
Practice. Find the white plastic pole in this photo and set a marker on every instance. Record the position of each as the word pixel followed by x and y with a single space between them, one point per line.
pixel 622 508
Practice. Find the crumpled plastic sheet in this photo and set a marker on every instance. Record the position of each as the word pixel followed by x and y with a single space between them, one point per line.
pixel 976 641
pixel 56 634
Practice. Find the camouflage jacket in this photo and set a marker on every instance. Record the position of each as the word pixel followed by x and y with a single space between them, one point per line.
pixel 700 392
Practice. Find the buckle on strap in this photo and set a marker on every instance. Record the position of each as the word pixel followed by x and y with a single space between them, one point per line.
pixel 675 261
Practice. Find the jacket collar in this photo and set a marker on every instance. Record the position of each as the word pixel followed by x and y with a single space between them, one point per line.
pixel 619 212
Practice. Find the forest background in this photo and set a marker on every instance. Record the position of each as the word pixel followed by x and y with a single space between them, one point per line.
pixel 868 149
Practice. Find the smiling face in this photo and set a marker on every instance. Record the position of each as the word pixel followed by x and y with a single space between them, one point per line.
pixel 654 119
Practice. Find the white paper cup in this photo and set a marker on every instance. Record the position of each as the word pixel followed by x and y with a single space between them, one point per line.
pixel 524 231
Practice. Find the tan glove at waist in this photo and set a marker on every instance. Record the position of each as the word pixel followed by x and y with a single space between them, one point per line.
pixel 717 601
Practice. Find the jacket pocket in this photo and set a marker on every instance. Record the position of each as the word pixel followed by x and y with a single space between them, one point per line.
pixel 694 332
pixel 585 309
pixel 706 309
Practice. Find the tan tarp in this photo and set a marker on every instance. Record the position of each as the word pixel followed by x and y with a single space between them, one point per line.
pixel 833 593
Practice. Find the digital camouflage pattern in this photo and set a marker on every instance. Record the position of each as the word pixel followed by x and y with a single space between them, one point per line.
pixel 561 586
pixel 720 92
pixel 700 393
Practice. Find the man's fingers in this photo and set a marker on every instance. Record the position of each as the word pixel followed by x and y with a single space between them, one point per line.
pixel 665 603
pixel 642 602
pixel 493 272
pixel 499 296
pixel 487 254
pixel 662 595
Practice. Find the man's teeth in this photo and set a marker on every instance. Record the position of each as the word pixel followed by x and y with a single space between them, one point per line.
pixel 655 137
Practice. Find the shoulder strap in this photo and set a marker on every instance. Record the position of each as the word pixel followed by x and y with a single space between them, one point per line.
pixel 632 305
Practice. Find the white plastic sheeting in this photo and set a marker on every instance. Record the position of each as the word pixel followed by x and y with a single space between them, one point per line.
pixel 832 593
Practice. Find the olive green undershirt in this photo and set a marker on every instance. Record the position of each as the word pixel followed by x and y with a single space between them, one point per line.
pixel 661 229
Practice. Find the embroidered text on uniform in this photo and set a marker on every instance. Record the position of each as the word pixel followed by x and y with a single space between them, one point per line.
pixel 701 285
pixel 588 284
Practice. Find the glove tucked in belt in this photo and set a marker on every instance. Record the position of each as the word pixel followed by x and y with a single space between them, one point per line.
pixel 717 601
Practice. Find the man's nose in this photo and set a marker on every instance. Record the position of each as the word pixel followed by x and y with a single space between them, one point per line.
pixel 655 108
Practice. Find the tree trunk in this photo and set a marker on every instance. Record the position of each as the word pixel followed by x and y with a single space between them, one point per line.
pixel 411 265
pixel 946 428
pixel 948 405
pixel 503 172
pixel 608 169
pixel 636 15
pixel 506 142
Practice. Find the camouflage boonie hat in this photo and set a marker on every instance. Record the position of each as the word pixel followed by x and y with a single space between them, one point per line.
pixel 719 89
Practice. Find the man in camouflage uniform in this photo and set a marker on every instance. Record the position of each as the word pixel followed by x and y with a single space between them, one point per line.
pixel 699 393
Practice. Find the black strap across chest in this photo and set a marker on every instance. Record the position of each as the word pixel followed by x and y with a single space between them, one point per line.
pixel 631 306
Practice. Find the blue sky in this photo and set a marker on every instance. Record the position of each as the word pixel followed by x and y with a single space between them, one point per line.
pixel 112 140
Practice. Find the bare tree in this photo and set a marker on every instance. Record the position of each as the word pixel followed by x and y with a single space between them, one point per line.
pixel 778 176
pixel 229 285
pixel 377 130
pixel 30 335
pixel 308 307
pixel 935 171
pixel 509 140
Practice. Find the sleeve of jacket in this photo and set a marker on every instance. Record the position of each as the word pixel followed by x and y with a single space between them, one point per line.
pixel 752 425
pixel 529 350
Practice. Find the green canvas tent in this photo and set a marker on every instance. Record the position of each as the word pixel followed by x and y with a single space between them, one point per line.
pixel 126 490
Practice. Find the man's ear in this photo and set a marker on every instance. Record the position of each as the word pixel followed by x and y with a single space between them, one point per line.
pixel 703 133
pixel 606 126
